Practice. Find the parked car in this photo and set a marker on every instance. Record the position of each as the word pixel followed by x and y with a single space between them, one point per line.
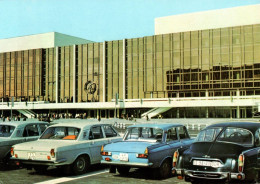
pixel 73 146
pixel 148 146
pixel 221 152
pixel 14 132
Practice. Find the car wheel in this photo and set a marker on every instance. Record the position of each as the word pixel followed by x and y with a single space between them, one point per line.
pixel 123 170
pixel 80 165
pixel 40 168
pixel 165 169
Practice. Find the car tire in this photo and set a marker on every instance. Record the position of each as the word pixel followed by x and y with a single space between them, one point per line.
pixel 165 169
pixel 40 168
pixel 80 165
pixel 123 170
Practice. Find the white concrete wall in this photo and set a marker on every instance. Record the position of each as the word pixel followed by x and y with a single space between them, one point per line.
pixel 45 40
pixel 229 17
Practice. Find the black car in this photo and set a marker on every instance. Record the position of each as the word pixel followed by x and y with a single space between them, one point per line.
pixel 221 152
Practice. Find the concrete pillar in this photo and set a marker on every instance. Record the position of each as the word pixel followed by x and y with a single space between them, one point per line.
pixel 238 112
pixel 207 93
pixel 178 112
pixel 207 112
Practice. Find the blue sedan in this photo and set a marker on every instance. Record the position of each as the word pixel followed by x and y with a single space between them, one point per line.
pixel 148 146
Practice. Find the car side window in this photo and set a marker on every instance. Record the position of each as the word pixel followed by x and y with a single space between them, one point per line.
pixel 96 133
pixel 109 131
pixel 183 133
pixel 257 138
pixel 31 130
pixel 171 135
pixel 43 127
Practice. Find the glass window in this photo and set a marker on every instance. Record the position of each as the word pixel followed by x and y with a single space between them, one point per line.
pixel 96 133
pixel 237 136
pixel 6 130
pixel 43 127
pixel 171 135
pixel 144 134
pixel 31 130
pixel 208 135
pixel 109 131
pixel 65 133
pixel 183 133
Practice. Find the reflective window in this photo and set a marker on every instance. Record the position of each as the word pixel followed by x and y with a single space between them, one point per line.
pixel 65 133
pixel 6 130
pixel 144 134
pixel 236 135
pixel 109 131
pixel 31 130
pixel 96 133
pixel 208 135
pixel 171 135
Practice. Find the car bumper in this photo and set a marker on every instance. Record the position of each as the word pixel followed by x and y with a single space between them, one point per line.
pixel 41 162
pixel 132 164
pixel 210 175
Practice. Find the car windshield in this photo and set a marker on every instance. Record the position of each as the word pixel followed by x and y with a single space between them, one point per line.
pixel 144 134
pixel 237 136
pixel 208 135
pixel 6 130
pixel 63 133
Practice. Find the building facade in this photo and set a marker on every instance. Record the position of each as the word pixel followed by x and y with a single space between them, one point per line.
pixel 209 73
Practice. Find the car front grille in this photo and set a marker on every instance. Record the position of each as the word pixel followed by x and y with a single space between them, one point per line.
pixel 206 175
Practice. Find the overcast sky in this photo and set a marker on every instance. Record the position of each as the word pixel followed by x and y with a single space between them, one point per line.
pixel 97 20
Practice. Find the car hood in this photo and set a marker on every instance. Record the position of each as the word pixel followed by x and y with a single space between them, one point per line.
pixel 218 150
pixel 43 145
pixel 127 146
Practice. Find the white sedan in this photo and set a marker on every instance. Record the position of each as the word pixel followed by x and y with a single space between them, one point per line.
pixel 73 146
pixel 14 132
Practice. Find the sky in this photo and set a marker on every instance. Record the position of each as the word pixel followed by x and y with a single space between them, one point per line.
pixel 97 20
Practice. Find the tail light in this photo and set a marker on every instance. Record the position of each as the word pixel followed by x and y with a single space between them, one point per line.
pixel 102 152
pixel 241 160
pixel 12 151
pixel 52 153
pixel 143 155
pixel 175 158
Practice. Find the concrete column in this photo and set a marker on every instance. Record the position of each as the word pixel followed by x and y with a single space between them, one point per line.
pixel 124 41
pixel 207 112
pixel 104 71
pixel 57 74
pixel 178 112
pixel 238 112
pixel 74 73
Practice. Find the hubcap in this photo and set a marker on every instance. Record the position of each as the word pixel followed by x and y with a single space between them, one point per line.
pixel 81 164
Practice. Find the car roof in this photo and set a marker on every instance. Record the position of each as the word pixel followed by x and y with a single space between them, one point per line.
pixel 252 126
pixel 21 123
pixel 163 126
pixel 78 123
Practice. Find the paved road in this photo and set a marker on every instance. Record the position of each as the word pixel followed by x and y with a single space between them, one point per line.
pixel 97 174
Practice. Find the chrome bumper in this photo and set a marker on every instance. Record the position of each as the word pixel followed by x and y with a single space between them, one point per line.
pixel 132 164
pixel 211 175
pixel 40 162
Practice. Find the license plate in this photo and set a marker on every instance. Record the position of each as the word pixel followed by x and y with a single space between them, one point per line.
pixel 207 163
pixel 123 157
pixel 31 156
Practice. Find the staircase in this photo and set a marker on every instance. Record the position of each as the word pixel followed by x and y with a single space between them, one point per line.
pixel 28 113
pixel 154 112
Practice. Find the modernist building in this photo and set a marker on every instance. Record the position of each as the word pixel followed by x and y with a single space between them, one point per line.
pixel 190 68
